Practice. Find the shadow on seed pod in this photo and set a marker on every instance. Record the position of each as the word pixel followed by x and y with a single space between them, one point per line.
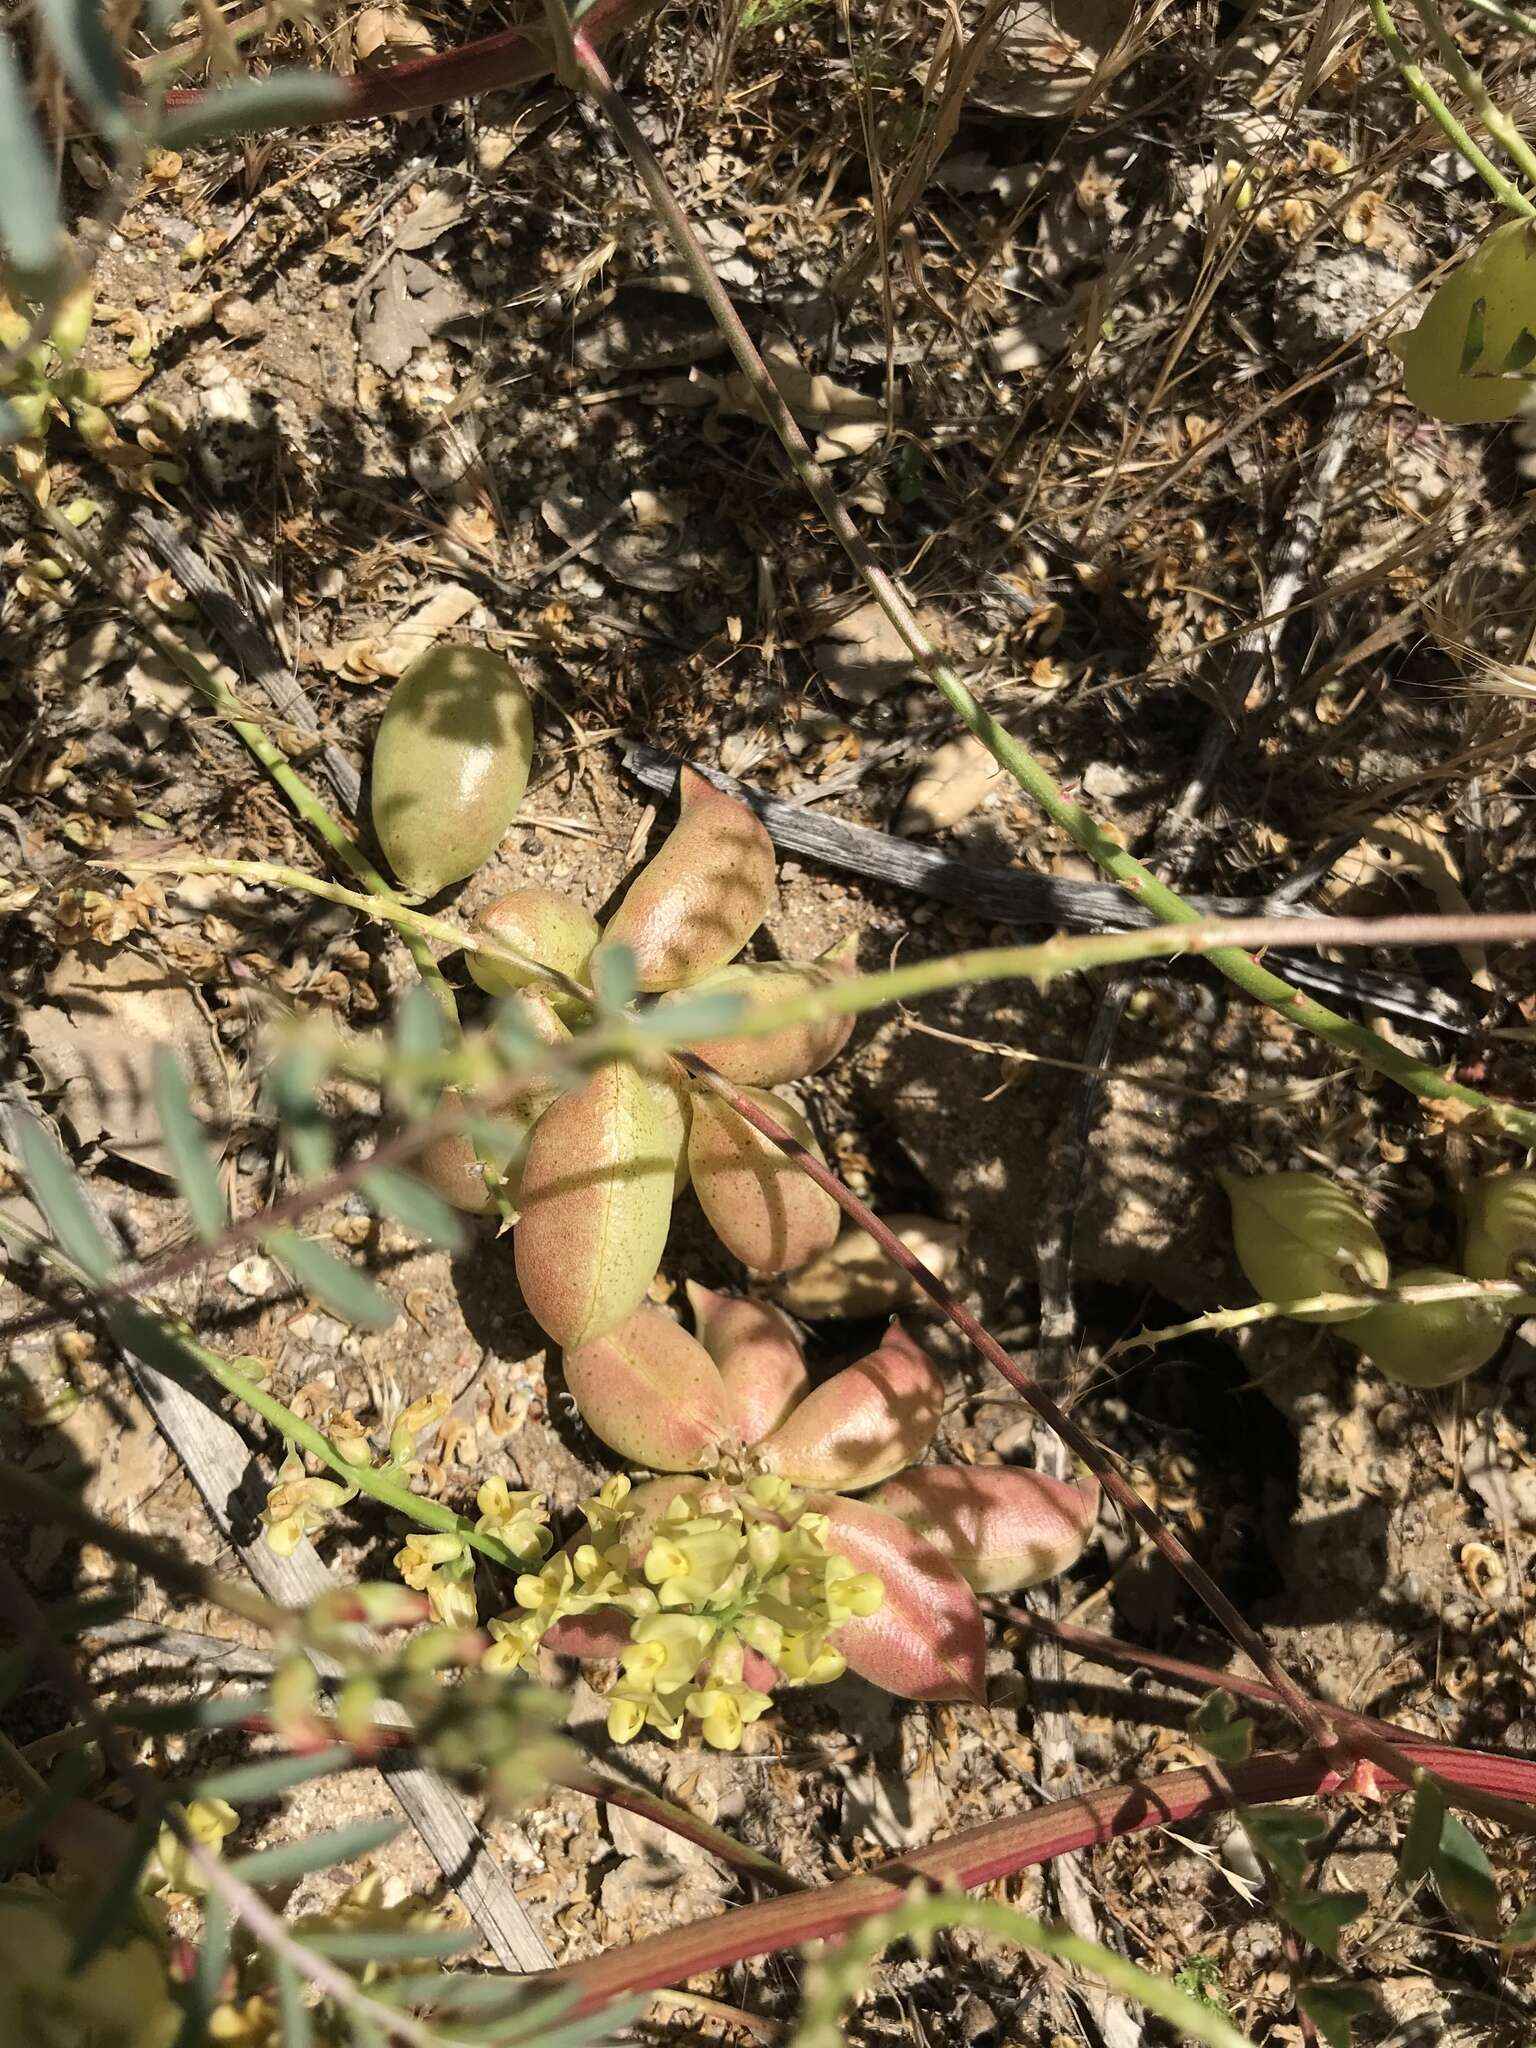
pixel 757 1349
pixel 1298 1234
pixel 865 1424
pixel 544 926
pixel 761 1206
pixel 1002 1527
pixel 596 1200
pixel 798 1049
pixel 674 1105
pixel 1499 1232
pixel 707 889
pixel 653 1394
pixel 855 1278
pixel 1430 1343
pixel 926 1641
pixel 450 765
pixel 453 1166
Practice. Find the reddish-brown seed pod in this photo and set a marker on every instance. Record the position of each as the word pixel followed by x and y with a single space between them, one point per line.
pixel 758 1352
pixel 1002 1527
pixel 855 1278
pixel 794 1051
pixel 698 901
pixel 595 1202
pixel 926 1640
pixel 452 1166
pixel 542 924
pixel 866 1423
pixel 760 1205
pixel 652 1393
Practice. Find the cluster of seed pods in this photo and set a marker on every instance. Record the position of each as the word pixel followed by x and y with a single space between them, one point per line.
pixel 737 1399
pixel 593 1172
pixel 1300 1234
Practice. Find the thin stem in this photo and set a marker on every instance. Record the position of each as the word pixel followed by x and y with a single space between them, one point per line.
pixel 1511 1292
pixel 1488 110
pixel 1354 1040
pixel 1414 77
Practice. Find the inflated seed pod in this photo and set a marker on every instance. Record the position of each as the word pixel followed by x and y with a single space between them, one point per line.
pixel 1430 1343
pixel 1297 1234
pixel 763 1208
pixel 926 1640
pixel 866 1423
pixel 796 1050
pixel 674 1104
pixel 757 1349
pixel 708 888
pixel 544 926
pixel 595 1202
pixel 855 1278
pixel 453 1168
pixel 652 1393
pixel 450 765
pixel 1002 1527
pixel 1499 1232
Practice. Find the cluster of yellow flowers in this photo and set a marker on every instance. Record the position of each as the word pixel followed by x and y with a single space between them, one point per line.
pixel 300 1506
pixel 732 1570
pixel 443 1566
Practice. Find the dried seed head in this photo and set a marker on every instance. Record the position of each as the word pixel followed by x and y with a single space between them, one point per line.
pixel 757 1349
pixel 864 1424
pixel 1298 1234
pixel 596 1200
pixel 450 765
pixel 1003 1528
pixel 1430 1343
pixel 855 1278
pixel 761 1206
pixel 652 1393
pixel 542 925
pixel 709 887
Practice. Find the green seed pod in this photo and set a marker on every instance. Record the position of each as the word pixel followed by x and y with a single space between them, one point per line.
pixel 761 1206
pixel 797 1050
pixel 450 765
pixel 1297 1234
pixel 696 904
pixel 542 924
pixel 1499 1231
pixel 596 1199
pixel 72 322
pixel 1430 1343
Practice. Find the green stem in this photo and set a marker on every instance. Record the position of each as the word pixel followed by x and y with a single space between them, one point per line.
pixel 1509 1291
pixel 1488 110
pixel 1413 76
pixel 1355 1041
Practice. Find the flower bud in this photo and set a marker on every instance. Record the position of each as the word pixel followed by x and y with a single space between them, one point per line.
pixel 1430 1343
pixel 545 927
pixel 788 1054
pixel 758 1352
pixel 698 901
pixel 854 1277
pixel 72 321
pixel 1499 1232
pixel 652 1393
pixel 864 1424
pixel 925 1641
pixel 1298 1234
pixel 596 1200
pixel 1003 1528
pixel 450 765
pixel 763 1208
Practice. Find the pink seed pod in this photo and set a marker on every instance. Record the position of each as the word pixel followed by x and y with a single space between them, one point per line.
pixel 541 923
pixel 674 1105
pixel 1003 1528
pixel 708 888
pixel 652 1393
pixel 761 1206
pixel 758 1352
pixel 926 1640
pixel 793 1052
pixel 866 1423
pixel 452 1167
pixel 596 1200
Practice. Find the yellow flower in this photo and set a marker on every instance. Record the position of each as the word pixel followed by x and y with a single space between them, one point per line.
pixel 441 1567
pixel 724 1710
pixel 515 1643
pixel 666 1649
pixel 299 1506
pixel 171 1868
pixel 253 2023
pixel 413 1421
pixel 515 1519
pixel 121 1999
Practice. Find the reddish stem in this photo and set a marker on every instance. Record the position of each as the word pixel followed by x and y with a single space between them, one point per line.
pixel 510 58
pixel 1000 1849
